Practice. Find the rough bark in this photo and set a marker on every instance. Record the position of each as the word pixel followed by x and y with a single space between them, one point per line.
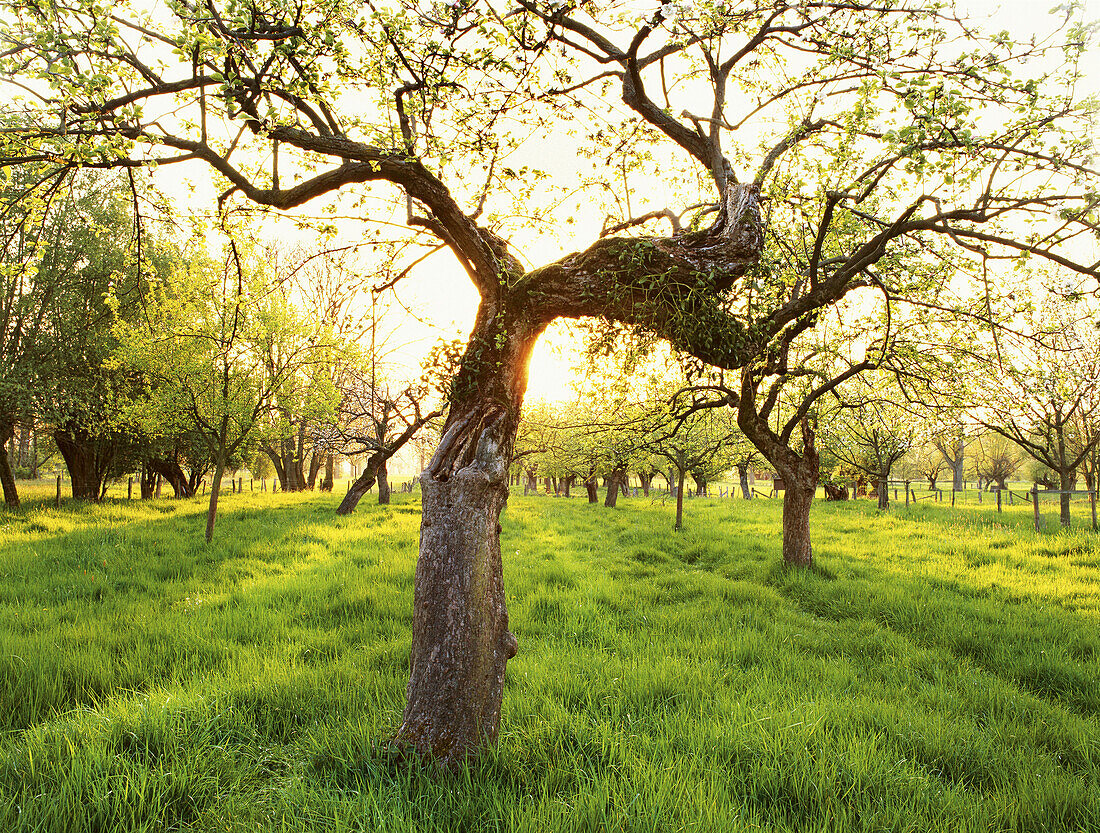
pixel 383 484
pixel 461 642
pixel 315 461
pixel 590 488
pixel 614 486
pixel 645 479
pixel 798 470
pixel 330 473
pixel 1067 480
pixel 743 475
pixel 797 499
pixel 7 478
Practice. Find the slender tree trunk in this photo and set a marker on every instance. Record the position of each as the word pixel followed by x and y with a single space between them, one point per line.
pixel 645 480
pixel 215 489
pixel 24 446
pixel 330 472
pixel 1067 479
pixel 383 484
pixel 680 503
pixel 300 459
pixel 743 475
pixel 34 454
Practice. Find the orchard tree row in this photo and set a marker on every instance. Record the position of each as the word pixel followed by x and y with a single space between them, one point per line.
pixel 978 407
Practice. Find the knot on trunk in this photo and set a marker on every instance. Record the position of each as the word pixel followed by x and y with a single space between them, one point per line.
pixel 481 437
pixel 735 240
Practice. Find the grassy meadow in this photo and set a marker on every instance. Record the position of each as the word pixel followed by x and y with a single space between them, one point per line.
pixel 938 670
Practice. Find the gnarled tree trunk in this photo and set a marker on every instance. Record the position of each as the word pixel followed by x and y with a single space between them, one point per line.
pixel 171 471
pixel 614 486
pixel 87 459
pixel 461 642
pixel 798 470
pixel 801 483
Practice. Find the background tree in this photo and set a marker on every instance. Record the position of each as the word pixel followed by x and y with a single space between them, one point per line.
pixel 701 443
pixel 1042 391
pixel 995 460
pixel 871 431
pixel 221 344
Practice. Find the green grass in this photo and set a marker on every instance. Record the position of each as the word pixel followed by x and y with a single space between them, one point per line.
pixel 938 670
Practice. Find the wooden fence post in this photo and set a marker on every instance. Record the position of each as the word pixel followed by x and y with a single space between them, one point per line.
pixel 952 496
pixel 979 496
pixel 57 500
pixel 906 493
pixel 1092 499
pixel 129 488
pixel 999 499
pixel 1035 503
